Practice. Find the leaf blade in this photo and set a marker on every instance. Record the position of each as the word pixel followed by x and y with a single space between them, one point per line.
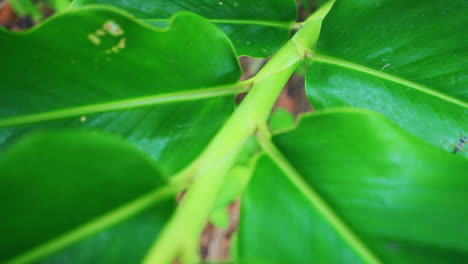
pixel 383 191
pixel 397 64
pixel 152 76
pixel 257 29
pixel 59 167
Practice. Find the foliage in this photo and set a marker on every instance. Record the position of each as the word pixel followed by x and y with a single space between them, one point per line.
pixel 110 109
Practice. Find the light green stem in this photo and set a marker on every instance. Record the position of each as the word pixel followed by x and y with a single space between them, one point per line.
pixel 183 230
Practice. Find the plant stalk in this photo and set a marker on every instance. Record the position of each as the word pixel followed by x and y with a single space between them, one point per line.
pixel 210 168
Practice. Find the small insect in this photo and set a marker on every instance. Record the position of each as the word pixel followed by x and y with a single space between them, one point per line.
pixel 459 147
pixel 385 66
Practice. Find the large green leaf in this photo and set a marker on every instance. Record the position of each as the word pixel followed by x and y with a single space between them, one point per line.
pixel 348 185
pixel 84 194
pixel 256 28
pixel 96 67
pixel 405 59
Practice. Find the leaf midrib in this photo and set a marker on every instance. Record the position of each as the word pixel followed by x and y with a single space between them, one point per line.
pixel 318 202
pixel 95 225
pixel 267 23
pixel 386 76
pixel 126 104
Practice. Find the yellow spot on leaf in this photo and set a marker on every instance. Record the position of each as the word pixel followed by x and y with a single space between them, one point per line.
pixel 94 39
pixel 121 44
pixel 83 119
pixel 100 32
pixel 113 28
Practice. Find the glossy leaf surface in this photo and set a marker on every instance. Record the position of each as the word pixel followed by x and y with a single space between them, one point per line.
pixel 405 59
pixel 96 67
pixel 256 28
pixel 403 199
pixel 84 194
pixel 281 119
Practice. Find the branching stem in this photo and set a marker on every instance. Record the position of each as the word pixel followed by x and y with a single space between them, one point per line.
pixel 209 169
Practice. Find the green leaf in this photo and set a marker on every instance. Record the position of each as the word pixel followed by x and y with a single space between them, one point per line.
pixel 404 59
pixel 96 67
pixel 281 119
pixel 81 195
pixel 348 186
pixel 238 176
pixel 59 5
pixel 234 184
pixel 256 28
pixel 221 218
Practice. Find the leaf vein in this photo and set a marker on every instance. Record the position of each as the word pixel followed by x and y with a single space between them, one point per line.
pixel 96 225
pixel 125 104
pixel 288 25
pixel 317 201
pixel 388 77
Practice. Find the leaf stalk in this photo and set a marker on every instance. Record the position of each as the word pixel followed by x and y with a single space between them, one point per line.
pixel 211 167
